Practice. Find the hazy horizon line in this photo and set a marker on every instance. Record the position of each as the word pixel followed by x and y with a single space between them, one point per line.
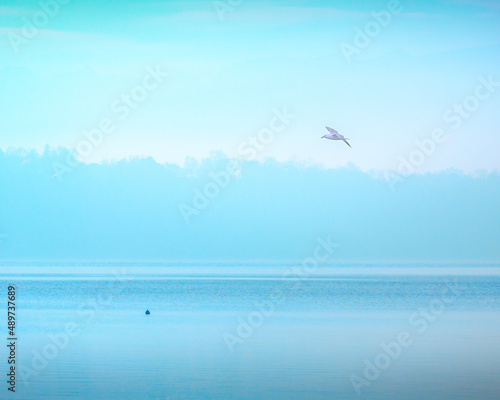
pixel 21 151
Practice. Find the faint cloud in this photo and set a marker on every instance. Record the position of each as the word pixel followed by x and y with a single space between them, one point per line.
pixel 494 5
pixel 486 15
pixel 415 14
pixel 264 13
pixel 50 33
pixel 6 11
pixel 308 12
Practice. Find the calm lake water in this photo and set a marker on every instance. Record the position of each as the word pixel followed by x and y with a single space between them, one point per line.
pixel 229 332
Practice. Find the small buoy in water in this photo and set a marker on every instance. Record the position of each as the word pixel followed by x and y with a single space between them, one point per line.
pixel 147 312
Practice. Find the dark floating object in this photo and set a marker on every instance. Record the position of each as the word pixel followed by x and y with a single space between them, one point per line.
pixel 147 312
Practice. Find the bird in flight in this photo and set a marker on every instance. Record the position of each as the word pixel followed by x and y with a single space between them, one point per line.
pixel 334 135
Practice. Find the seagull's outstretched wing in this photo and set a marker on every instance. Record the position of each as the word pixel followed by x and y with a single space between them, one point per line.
pixel 346 142
pixel 331 130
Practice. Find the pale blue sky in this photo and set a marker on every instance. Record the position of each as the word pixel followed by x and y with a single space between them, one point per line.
pixel 226 76
pixel 175 82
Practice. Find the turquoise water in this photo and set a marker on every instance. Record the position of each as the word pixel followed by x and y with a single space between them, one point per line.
pixel 248 333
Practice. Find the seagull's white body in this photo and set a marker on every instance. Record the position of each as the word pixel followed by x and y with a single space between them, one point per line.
pixel 334 135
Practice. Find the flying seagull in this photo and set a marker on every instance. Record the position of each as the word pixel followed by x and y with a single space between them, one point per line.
pixel 334 135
